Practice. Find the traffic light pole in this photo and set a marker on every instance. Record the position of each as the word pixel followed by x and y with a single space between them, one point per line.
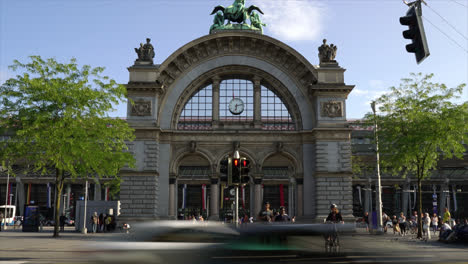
pixel 236 212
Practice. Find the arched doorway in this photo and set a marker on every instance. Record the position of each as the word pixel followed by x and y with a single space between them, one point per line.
pixel 279 183
pixel 193 187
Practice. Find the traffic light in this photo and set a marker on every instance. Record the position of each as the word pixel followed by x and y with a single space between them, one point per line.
pixel 224 166
pixel 236 172
pixel 245 168
pixel 413 20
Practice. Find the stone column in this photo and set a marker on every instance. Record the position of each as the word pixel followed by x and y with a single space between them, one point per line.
pixel 97 190
pixel 292 197
pixel 68 196
pixel 257 102
pixel 215 86
pixel 300 197
pixel 172 198
pixel 258 197
pixel 214 199
pixel 20 186
pixel 444 191
pixel 368 197
pixel 405 195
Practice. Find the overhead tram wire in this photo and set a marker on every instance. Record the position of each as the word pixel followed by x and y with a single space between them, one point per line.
pixel 466 51
pixel 446 21
pixel 459 3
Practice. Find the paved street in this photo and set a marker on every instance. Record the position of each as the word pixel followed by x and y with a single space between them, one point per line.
pixel 72 247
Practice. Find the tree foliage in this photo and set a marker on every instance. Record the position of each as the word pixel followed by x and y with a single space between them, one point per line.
pixel 419 124
pixel 57 116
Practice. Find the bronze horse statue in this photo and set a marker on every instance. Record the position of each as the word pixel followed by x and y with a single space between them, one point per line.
pixel 236 12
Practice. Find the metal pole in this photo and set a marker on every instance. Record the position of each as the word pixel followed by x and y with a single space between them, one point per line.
pixel 6 201
pixel 378 186
pixel 236 213
pixel 84 231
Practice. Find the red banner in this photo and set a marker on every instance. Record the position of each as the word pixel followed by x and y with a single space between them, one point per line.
pixel 281 195
pixel 9 194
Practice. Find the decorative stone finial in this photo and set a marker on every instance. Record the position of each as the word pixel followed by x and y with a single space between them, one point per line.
pixel 145 52
pixel 236 13
pixel 327 53
pixel 193 146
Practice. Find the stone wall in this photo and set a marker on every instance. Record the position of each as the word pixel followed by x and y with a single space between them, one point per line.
pixel 334 190
pixel 138 196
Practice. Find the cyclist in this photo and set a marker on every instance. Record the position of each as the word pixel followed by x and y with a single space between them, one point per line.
pixel 331 239
pixel 334 216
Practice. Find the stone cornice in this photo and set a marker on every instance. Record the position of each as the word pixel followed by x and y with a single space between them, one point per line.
pixel 249 137
pixel 322 89
pixel 153 88
pixel 325 174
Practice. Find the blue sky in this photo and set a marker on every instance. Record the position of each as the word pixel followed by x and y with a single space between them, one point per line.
pixel 367 33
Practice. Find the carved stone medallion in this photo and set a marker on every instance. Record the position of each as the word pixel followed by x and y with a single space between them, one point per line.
pixel 141 108
pixel 332 109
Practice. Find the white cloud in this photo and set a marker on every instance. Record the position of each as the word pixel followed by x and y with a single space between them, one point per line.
pixel 376 89
pixel 292 20
pixel 357 91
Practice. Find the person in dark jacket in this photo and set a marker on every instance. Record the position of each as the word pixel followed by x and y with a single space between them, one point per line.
pixel 335 215
pixel 282 217
pixel 62 220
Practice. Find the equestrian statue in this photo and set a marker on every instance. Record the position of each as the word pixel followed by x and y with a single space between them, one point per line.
pixel 237 13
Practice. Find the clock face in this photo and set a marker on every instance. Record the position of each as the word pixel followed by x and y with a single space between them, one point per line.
pixel 236 106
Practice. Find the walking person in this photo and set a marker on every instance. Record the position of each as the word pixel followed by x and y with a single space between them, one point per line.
pixel 434 223
pixel 366 220
pixel 94 221
pixel 385 219
pixel 1 220
pixel 62 222
pixel 396 227
pixel 402 224
pixel 447 216
pixel 426 225
pixel 101 223
pixel 267 214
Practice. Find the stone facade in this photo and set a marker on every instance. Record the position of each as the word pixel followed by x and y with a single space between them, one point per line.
pixel 313 156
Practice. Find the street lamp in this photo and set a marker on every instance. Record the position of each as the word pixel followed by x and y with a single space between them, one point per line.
pixel 6 200
pixel 378 196
pixel 84 230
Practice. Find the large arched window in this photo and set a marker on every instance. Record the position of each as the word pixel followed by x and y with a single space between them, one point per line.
pixel 275 115
pixel 199 111
pixel 236 88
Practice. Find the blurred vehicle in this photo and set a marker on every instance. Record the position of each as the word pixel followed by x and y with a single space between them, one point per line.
pixel 9 215
pixel 204 242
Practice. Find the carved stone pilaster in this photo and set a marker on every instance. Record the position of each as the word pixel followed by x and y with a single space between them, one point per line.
pixel 331 109
pixel 141 108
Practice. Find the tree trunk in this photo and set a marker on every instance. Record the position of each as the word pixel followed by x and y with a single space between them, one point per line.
pixel 420 225
pixel 58 190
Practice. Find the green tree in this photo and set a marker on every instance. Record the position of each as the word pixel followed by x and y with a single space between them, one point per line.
pixel 57 115
pixel 419 124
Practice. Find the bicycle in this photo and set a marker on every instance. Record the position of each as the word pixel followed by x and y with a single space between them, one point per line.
pixel 413 227
pixel 332 241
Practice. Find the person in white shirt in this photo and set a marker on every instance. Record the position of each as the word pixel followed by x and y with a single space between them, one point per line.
pixel 434 223
pixel 426 224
